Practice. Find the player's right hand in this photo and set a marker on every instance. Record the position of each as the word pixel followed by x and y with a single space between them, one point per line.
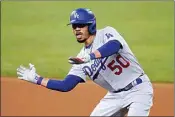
pixel 77 60
pixel 28 74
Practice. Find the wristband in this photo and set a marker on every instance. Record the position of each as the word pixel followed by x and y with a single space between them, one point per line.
pixel 39 80
pixel 92 56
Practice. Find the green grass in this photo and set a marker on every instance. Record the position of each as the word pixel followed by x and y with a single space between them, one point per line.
pixel 36 32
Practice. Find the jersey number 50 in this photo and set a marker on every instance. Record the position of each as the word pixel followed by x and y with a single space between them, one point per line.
pixel 118 68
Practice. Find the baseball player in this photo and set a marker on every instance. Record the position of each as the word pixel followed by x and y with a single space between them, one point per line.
pixel 108 61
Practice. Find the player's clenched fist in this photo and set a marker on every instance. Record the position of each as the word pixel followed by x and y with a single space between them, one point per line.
pixel 28 74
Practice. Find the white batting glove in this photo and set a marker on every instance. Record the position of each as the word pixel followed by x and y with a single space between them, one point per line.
pixel 79 60
pixel 28 74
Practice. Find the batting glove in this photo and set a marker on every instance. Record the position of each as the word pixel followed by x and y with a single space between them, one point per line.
pixel 78 60
pixel 28 74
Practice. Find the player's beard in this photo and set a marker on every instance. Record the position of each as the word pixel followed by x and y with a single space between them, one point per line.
pixel 82 41
pixel 83 38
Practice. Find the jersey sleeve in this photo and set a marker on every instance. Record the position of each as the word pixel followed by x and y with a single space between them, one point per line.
pixel 77 71
pixel 77 68
pixel 111 34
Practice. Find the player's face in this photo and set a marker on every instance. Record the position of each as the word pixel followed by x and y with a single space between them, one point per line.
pixel 81 32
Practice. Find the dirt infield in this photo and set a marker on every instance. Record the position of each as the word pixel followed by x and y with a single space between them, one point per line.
pixel 20 98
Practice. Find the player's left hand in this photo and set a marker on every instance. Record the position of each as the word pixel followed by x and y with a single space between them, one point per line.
pixel 77 60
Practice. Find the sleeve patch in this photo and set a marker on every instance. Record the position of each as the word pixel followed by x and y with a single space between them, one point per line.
pixel 108 35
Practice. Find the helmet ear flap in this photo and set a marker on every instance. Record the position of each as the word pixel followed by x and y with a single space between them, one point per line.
pixel 92 27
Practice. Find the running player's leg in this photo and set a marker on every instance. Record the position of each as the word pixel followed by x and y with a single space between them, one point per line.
pixel 108 106
pixel 139 99
pixel 139 109
pixel 121 113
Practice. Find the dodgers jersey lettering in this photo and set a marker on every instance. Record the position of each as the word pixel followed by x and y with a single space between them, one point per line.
pixel 113 72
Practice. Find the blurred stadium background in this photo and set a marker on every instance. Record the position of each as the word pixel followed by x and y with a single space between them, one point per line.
pixel 36 32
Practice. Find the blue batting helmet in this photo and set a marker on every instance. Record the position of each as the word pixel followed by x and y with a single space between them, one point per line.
pixel 84 16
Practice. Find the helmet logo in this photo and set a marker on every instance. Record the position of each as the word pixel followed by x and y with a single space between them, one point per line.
pixel 76 15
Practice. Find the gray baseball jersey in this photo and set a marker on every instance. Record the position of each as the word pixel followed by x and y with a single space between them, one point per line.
pixel 113 72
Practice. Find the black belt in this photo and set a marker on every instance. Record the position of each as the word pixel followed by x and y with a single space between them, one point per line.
pixel 130 85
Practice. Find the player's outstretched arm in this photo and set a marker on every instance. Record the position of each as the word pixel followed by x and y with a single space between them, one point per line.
pixel 60 85
pixel 108 49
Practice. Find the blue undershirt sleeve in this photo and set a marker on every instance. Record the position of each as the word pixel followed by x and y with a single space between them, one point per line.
pixel 65 85
pixel 108 49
